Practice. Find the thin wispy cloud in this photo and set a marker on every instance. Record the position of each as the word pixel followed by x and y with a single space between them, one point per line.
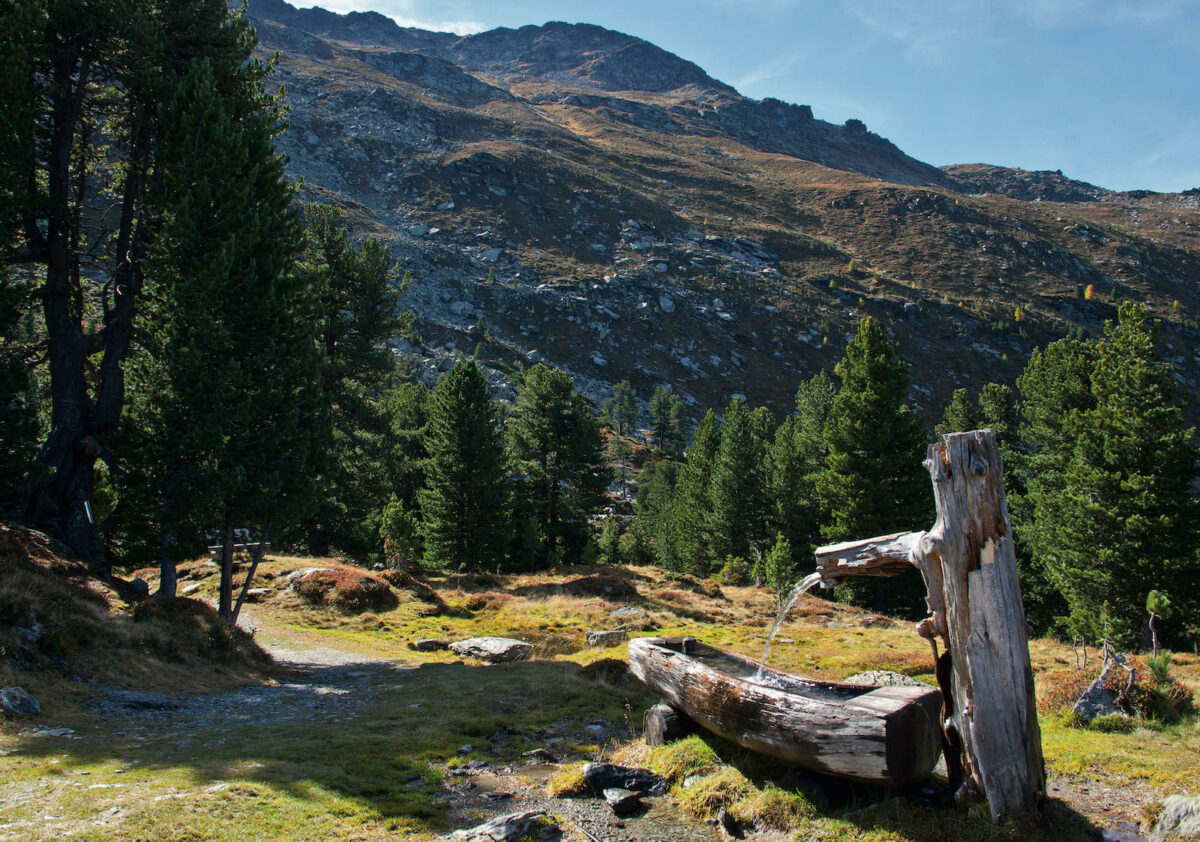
pixel 935 31
pixel 775 68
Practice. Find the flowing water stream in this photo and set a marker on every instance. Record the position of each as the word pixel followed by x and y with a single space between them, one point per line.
pixel 802 587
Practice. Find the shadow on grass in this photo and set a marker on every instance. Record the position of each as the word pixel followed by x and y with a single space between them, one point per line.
pixel 356 749
pixel 363 751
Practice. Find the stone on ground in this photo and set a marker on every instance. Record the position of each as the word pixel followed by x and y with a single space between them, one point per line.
pixel 1180 819
pixel 1096 701
pixel 602 776
pixel 622 801
pixel 604 639
pixel 493 650
pixel 530 825
pixel 15 701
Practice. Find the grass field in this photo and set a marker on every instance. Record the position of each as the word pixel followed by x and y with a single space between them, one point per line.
pixel 371 740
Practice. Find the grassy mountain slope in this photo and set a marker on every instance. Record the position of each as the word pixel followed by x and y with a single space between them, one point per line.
pixel 586 195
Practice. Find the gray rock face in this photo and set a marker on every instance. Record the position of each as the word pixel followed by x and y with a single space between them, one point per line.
pixel 602 639
pixel 884 678
pixel 622 801
pixel 1180 819
pixel 15 701
pixel 493 650
pixel 533 824
pixel 1096 701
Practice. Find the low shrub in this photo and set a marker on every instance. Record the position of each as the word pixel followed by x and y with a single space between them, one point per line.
pixel 1158 699
pixel 487 601
pixel 1113 723
pixel 406 581
pixel 735 572
pixel 352 591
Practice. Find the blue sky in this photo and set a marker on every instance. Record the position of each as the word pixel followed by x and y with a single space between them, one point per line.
pixel 1108 91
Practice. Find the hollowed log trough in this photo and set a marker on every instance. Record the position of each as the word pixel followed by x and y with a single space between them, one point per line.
pixel 888 736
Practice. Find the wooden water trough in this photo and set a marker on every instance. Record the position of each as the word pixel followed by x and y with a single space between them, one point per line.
pixel 989 729
pixel 889 736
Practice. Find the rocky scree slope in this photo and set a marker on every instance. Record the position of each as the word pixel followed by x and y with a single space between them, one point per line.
pixel 569 193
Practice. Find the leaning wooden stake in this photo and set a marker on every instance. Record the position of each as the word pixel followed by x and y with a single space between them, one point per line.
pixel 975 608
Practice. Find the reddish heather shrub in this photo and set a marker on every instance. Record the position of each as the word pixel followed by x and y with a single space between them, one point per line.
pixel 347 590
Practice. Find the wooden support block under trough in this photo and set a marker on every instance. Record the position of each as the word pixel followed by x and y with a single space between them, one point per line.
pixel 664 724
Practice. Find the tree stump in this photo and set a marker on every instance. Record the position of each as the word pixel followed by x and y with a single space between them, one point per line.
pixel 969 565
pixel 664 725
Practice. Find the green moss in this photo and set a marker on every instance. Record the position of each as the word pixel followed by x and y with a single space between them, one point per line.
pixel 705 797
pixel 775 808
pixel 682 758
pixel 568 783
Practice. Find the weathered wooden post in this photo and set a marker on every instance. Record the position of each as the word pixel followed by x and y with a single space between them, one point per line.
pixel 970 571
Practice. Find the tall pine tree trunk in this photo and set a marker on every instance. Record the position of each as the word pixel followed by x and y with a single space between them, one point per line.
pixel 167 579
pixel 225 601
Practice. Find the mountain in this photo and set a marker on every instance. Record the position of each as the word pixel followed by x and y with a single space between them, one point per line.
pixel 570 193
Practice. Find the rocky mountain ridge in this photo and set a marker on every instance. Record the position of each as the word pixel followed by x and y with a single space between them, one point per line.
pixel 573 194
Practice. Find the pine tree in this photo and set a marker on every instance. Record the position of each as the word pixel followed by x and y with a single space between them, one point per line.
pixel 97 81
pixel 667 418
pixel 554 439
pixel 235 345
pixel 998 410
pixel 652 506
pixel 961 415
pixel 795 459
pixel 356 294
pixel 400 532
pixel 677 423
pixel 464 504
pixel 609 543
pixel 690 546
pixel 623 410
pixel 738 514
pixel 406 412
pixel 814 405
pixel 1125 519
pixel 18 416
pixel 873 482
pixel 660 415
pixel 778 570
pixel 1056 398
